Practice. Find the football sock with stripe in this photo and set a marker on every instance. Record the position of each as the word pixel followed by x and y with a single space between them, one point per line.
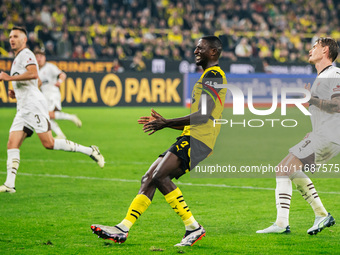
pixel 66 145
pixel 308 192
pixel 283 196
pixel 176 201
pixel 136 209
pixel 13 161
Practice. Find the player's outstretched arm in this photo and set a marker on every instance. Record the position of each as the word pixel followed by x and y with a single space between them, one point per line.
pixel 191 119
pixel 61 79
pixel 30 74
pixel 146 119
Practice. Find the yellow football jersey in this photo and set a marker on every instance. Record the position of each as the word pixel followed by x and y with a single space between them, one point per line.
pixel 206 132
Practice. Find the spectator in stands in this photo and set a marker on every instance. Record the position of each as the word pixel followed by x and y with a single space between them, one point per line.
pixel 64 46
pixel 243 49
pixel 175 35
pixel 32 41
pixel 78 52
pixel 90 53
pixel 49 49
pixel 133 25
pixel 137 64
pixel 117 66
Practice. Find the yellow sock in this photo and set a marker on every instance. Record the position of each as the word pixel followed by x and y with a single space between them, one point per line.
pixel 137 207
pixel 176 201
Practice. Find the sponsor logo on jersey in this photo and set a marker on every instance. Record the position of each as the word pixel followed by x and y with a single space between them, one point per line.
pixel 337 88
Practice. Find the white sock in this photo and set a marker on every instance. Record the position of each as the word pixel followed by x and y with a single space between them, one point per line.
pixel 308 192
pixel 63 115
pixel 193 225
pixel 123 226
pixel 13 161
pixel 283 196
pixel 56 129
pixel 66 145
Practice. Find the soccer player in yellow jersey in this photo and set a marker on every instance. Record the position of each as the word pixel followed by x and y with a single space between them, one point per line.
pixel 195 144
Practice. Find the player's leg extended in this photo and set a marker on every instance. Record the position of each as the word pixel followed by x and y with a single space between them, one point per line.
pixel 292 168
pixel 306 187
pixel 283 195
pixel 138 206
pixel 65 145
pixel 169 168
pixel 59 115
pixel 15 140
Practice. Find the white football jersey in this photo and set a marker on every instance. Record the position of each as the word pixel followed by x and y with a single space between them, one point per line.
pixel 326 86
pixel 29 97
pixel 49 74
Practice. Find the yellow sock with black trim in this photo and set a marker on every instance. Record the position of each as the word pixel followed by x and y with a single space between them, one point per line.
pixel 176 201
pixel 136 209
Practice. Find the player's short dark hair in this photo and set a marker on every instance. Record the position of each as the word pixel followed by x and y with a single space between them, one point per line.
pixel 332 45
pixel 22 29
pixel 214 42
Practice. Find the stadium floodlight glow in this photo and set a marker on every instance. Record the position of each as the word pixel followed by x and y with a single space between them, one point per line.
pixel 238 100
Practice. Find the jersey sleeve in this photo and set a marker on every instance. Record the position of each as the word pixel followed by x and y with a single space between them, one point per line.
pixel 209 81
pixel 334 84
pixel 28 58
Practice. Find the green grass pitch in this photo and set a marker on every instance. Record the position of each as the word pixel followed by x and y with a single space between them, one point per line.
pixel 59 195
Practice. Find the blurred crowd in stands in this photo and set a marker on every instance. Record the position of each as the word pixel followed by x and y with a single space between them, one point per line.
pixel 272 30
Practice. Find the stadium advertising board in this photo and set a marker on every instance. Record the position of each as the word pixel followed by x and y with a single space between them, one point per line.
pixel 107 89
pixel 261 86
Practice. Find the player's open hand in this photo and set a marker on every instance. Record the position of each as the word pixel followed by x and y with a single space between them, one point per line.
pixel 146 119
pixel 308 86
pixel 158 122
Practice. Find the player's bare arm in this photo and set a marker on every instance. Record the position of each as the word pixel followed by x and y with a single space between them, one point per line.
pixel 193 118
pixel 146 119
pixel 330 106
pixel 30 74
pixel 61 79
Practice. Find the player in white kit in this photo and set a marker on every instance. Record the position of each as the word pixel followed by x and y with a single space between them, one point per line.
pixel 32 114
pixel 319 146
pixel 51 78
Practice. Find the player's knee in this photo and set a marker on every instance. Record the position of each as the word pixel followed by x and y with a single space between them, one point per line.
pixel 48 144
pixel 145 179
pixel 158 179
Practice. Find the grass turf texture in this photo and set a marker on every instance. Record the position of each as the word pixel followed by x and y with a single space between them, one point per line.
pixel 59 195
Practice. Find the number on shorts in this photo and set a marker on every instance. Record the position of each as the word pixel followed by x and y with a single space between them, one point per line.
pixel 38 119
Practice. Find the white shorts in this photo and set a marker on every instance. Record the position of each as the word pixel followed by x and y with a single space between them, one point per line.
pixel 54 103
pixel 315 149
pixel 30 122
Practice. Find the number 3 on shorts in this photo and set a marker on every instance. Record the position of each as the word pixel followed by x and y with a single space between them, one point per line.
pixel 38 119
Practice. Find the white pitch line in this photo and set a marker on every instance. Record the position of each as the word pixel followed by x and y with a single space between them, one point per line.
pixel 82 161
pixel 137 181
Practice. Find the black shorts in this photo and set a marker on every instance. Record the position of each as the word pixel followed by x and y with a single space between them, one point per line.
pixel 190 150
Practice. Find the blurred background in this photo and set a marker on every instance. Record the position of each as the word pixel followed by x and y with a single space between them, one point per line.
pixel 261 34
